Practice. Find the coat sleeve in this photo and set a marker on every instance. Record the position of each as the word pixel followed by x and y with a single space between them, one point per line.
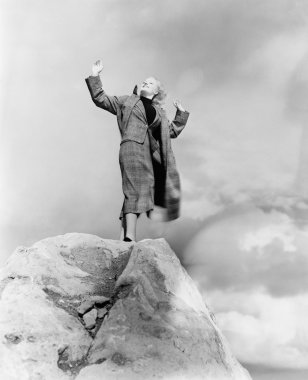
pixel 178 123
pixel 112 104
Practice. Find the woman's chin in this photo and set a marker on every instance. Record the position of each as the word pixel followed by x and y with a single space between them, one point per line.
pixel 145 94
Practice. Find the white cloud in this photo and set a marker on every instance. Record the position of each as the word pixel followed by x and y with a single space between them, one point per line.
pixel 247 248
pixel 272 331
pixel 252 268
pixel 264 236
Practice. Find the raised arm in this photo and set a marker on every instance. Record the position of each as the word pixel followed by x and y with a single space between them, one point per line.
pixel 178 123
pixel 109 103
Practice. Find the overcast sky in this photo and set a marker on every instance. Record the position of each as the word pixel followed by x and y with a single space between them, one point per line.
pixel 241 68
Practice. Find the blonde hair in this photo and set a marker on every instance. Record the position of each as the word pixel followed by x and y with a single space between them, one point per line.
pixel 160 98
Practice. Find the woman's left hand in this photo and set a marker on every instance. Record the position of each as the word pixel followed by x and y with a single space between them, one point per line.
pixel 178 105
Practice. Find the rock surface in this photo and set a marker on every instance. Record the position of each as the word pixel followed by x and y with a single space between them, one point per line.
pixel 80 307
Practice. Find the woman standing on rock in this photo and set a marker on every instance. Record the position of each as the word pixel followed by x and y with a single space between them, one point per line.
pixel 149 174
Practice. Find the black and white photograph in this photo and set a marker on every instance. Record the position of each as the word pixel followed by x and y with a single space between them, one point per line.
pixel 153 189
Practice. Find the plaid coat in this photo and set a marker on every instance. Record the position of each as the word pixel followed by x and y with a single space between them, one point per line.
pixel 122 107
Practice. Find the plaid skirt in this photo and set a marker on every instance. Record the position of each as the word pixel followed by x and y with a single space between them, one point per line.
pixel 137 177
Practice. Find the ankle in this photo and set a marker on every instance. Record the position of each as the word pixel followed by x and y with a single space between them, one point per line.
pixel 129 238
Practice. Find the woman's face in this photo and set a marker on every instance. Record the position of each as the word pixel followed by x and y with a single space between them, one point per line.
pixel 149 87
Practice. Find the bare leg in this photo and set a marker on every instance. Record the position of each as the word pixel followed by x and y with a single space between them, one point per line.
pixel 123 229
pixel 130 223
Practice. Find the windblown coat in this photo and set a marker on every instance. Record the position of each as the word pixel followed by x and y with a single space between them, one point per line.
pixel 161 151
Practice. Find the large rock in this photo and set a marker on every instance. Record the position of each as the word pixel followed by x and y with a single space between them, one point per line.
pixel 80 307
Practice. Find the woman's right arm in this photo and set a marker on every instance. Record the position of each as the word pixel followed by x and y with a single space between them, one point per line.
pixel 98 95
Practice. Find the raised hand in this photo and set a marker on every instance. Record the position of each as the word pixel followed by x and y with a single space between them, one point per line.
pixel 178 105
pixel 97 67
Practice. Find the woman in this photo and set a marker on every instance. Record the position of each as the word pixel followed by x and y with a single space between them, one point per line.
pixel 149 174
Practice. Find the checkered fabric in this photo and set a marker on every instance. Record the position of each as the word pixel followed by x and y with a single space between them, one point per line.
pixel 137 154
pixel 137 177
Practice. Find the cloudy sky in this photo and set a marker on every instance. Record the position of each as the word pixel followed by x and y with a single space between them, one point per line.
pixel 241 68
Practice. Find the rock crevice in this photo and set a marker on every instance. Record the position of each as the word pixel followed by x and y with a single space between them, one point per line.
pixel 80 307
